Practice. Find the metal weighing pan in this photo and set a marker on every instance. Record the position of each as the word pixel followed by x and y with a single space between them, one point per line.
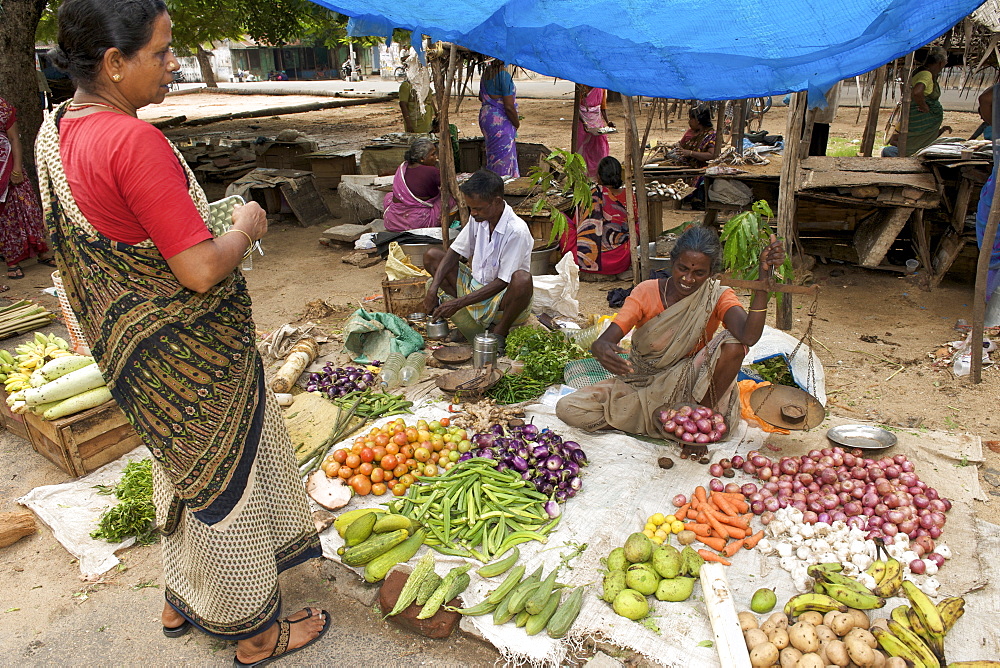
pixel 862 436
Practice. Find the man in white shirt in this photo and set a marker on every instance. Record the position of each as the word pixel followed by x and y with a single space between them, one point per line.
pixel 496 289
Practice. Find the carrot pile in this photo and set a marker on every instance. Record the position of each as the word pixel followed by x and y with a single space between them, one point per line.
pixel 721 521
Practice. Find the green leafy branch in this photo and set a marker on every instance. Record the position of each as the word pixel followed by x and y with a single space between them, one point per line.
pixel 575 184
pixel 744 236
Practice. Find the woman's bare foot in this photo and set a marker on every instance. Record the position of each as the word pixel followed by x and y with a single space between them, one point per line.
pixel 170 618
pixel 304 631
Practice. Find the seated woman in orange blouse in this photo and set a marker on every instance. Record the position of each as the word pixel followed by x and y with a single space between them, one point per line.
pixel 676 355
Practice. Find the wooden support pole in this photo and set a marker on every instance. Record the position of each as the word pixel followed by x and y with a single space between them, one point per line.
pixel 443 78
pixel 656 103
pixel 633 243
pixel 786 193
pixel 739 121
pixel 635 155
pixel 874 105
pixel 904 106
pixel 574 144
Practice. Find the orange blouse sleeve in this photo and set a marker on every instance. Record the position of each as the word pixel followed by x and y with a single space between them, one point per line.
pixel 640 307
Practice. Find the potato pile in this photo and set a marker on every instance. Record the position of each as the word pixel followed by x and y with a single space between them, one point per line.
pixel 814 641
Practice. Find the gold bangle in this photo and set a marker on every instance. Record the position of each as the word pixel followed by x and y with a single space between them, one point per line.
pixel 249 239
pixel 16 173
pixel 757 310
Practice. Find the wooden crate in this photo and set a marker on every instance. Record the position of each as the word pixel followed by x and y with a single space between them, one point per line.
pixel 329 167
pixel 10 421
pixel 286 155
pixel 81 443
pixel 405 296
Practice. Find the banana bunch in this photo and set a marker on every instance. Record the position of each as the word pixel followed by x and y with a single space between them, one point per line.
pixel 888 576
pixel 916 632
pixel 16 369
pixel 843 589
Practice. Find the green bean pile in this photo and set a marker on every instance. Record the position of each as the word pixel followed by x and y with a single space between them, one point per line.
pixel 476 511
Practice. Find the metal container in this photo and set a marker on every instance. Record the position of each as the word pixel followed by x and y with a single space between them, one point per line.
pixel 437 329
pixel 417 318
pixel 540 261
pixel 484 350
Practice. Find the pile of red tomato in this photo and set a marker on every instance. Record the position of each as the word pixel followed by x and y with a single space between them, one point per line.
pixel 392 457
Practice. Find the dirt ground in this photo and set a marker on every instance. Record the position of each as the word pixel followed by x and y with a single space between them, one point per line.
pixel 874 332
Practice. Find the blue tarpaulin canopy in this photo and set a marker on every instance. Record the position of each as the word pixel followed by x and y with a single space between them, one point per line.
pixel 702 49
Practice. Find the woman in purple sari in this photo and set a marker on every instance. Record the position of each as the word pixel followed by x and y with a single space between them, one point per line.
pixel 498 119
pixel 415 200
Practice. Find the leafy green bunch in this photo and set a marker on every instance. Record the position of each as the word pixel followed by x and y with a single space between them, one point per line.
pixel 575 184
pixel 744 236
pixel 135 514
pixel 544 353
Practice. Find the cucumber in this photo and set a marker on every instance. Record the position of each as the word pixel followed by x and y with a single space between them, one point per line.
pixel 377 568
pixel 565 615
pixel 536 623
pixel 521 596
pixel 540 597
pixel 428 587
pixel 500 567
pixel 521 619
pixel 359 530
pixel 377 545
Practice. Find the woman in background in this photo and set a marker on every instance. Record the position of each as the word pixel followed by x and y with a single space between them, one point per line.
pixel 926 112
pixel 600 241
pixel 697 146
pixel 415 200
pixel 22 231
pixel 592 145
pixel 498 119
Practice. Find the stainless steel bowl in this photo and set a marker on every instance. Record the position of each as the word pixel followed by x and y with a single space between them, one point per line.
pixel 437 329
pixel 862 436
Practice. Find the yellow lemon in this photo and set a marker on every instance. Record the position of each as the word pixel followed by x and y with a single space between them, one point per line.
pixel 676 527
pixel 669 519
pixel 661 534
pixel 650 527
pixel 648 532
pixel 657 540
pixel 656 519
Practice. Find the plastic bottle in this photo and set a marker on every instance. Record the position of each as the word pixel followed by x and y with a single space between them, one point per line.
pixel 391 369
pixel 410 373
pixel 469 326
pixel 586 337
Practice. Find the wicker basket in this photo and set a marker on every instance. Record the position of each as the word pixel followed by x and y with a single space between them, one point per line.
pixel 405 296
pixel 76 338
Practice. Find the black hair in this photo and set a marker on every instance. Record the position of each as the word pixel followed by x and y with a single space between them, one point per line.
pixel 699 239
pixel 418 150
pixel 702 114
pixel 609 171
pixel 88 28
pixel 934 56
pixel 483 184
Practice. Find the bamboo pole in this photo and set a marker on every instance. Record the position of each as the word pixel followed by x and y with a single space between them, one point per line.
pixel 449 186
pixel 739 121
pixel 874 105
pixel 786 194
pixel 649 123
pixel 983 264
pixel 904 106
pixel 635 152
pixel 633 244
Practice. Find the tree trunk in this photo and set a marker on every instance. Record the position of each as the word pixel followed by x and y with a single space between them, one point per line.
pixel 207 73
pixel 18 83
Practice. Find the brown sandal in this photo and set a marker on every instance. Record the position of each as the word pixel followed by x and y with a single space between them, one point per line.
pixel 284 634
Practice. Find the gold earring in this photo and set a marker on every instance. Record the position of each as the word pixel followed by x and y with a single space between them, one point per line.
pixel 116 77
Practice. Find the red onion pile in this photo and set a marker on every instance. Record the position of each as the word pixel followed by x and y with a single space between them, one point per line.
pixel 693 425
pixel 883 497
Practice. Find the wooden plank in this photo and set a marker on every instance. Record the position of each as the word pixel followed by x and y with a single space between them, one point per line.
pixel 922 239
pixel 574 144
pixel 875 236
pixel 874 105
pixel 786 196
pixel 858 163
pixel 983 265
pixel 813 179
pixel 306 202
pixel 961 210
pixel 948 250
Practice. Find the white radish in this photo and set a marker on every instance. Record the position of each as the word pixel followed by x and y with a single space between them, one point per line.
pixel 64 387
pixel 81 402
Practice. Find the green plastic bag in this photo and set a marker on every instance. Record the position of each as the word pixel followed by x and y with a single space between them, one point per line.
pixel 370 336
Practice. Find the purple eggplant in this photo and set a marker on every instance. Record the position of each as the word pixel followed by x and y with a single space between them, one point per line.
pixel 575 483
pixel 465 456
pixel 552 508
pixel 580 457
pixel 518 463
pixel 562 495
pixel 554 463
pixel 497 430
pixel 540 451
